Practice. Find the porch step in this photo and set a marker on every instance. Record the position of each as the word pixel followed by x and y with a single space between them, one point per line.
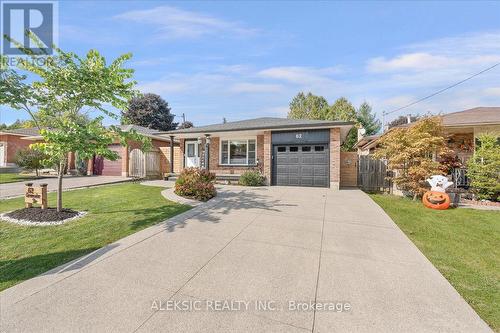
pixel 171 177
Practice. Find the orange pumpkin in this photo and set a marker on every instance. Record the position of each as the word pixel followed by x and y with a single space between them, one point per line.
pixel 436 200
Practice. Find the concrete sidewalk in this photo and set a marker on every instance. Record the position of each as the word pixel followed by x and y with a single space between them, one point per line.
pixel 69 182
pixel 266 246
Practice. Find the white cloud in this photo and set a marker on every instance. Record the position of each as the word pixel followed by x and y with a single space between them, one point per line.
pixel 457 54
pixel 298 74
pixel 172 22
pixel 493 91
pixel 248 87
pixel 411 61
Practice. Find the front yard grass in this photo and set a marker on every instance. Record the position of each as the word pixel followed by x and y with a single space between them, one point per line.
pixel 114 211
pixel 14 177
pixel 463 244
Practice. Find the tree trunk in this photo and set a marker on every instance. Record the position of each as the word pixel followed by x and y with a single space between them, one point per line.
pixel 36 172
pixel 60 174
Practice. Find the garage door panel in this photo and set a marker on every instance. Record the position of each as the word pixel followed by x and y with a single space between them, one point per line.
pixel 302 165
pixel 307 171
pixel 320 171
pixel 320 182
pixel 307 181
pixel 307 159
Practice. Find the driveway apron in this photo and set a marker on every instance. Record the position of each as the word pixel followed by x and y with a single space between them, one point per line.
pixel 266 253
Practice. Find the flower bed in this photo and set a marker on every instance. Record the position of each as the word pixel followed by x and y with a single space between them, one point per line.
pixel 481 202
pixel 40 217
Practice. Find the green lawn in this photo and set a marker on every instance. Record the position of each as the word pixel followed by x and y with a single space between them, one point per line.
pixel 114 211
pixel 14 177
pixel 464 244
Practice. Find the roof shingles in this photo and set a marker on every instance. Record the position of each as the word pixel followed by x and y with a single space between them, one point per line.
pixel 260 123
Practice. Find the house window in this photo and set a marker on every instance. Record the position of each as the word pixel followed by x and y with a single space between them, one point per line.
pixel 238 152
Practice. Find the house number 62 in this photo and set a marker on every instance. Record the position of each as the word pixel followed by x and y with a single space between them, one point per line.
pixel 298 136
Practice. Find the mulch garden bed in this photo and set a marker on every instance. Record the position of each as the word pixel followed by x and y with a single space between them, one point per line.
pixel 38 216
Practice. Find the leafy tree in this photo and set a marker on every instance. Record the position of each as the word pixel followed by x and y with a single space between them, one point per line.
pixel 342 109
pixel 484 168
pixel 186 124
pixel 30 159
pixel 64 84
pixel 367 119
pixel 316 107
pixel 149 110
pixel 19 124
pixel 308 107
pixel 411 153
pixel 401 120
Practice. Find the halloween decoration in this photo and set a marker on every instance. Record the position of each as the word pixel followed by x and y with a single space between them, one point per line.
pixel 437 198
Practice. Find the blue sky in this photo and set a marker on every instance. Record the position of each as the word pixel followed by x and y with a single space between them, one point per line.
pixel 240 60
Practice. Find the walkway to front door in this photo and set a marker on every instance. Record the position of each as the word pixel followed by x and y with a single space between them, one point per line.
pixel 271 247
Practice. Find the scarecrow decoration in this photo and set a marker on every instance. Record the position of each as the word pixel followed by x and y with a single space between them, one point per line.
pixel 437 198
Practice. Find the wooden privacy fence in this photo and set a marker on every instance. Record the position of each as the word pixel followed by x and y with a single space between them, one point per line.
pixel 372 174
pixel 144 164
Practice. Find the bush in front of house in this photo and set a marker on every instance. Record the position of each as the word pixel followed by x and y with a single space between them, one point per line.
pixel 252 178
pixel 30 159
pixel 483 169
pixel 195 183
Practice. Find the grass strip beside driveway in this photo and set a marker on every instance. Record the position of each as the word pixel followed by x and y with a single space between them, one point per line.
pixel 114 211
pixel 463 244
pixel 14 178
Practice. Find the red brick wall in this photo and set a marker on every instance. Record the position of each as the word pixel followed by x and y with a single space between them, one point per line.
pixel 334 158
pixel 267 156
pixel 13 143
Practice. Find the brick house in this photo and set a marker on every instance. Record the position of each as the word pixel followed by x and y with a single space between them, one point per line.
pixel 13 140
pixel 461 129
pixel 287 151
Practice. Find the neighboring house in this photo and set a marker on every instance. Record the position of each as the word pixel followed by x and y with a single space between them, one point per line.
pixel 366 145
pixel 286 151
pixel 99 166
pixel 461 129
pixel 11 141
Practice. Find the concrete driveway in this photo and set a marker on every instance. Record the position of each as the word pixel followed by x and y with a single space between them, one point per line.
pixel 69 182
pixel 239 262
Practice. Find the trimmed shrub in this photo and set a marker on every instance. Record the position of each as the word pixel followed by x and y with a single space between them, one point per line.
pixel 195 183
pixel 30 159
pixel 484 168
pixel 252 178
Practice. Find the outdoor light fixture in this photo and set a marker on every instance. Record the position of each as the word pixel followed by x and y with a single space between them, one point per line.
pixel 207 138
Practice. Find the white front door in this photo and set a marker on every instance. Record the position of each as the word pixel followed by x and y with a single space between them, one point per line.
pixel 192 156
pixel 2 154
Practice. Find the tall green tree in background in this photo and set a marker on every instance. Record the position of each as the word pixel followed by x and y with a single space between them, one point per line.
pixel 367 119
pixel 308 106
pixel 343 110
pixel 62 86
pixel 317 108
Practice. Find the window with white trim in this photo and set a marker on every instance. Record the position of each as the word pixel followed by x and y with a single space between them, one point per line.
pixel 238 152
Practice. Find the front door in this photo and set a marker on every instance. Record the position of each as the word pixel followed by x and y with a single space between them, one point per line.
pixel 192 155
